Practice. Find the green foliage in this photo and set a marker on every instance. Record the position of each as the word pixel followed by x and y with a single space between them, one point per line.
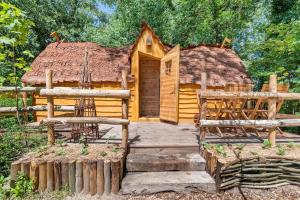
pixel 14 30
pixel 240 146
pixel 291 144
pixel 73 20
pixel 207 146
pixel 4 193
pixel 13 146
pixel 184 22
pixel 23 186
pixel 266 144
pixel 115 149
pixel 60 151
pixel 281 150
pixel 84 147
pixel 220 150
pixel 103 154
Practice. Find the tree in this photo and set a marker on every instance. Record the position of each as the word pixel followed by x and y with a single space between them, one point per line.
pixel 73 20
pixel 15 30
pixel 178 21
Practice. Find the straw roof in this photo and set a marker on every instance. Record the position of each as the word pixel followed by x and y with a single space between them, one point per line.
pixel 222 66
pixel 66 59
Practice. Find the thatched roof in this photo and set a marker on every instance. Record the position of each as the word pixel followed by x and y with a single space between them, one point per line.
pixel 66 59
pixel 222 66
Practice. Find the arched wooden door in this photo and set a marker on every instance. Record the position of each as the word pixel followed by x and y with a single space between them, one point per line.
pixel 169 85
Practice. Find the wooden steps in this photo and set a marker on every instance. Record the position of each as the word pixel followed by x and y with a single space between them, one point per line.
pixel 177 181
pixel 164 162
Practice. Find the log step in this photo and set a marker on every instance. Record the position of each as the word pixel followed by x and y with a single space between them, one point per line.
pixel 164 162
pixel 177 181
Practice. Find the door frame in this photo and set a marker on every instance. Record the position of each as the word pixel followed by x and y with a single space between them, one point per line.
pixel 142 118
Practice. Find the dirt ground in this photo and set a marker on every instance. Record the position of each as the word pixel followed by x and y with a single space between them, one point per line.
pixel 286 192
pixel 70 151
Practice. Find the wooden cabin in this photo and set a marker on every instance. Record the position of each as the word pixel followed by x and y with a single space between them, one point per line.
pixel 162 79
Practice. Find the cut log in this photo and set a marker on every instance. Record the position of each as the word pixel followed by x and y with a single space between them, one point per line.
pixel 261 169
pixel 100 120
pixel 100 177
pixel 65 174
pixel 61 92
pixel 93 177
pixel 14 169
pixel 72 179
pixel 20 89
pixel 251 123
pixel 251 95
pixel 42 176
pixel 25 168
pixel 86 177
pixel 35 108
pixel 289 169
pixel 50 176
pixel 233 181
pixel 115 176
pixel 34 174
pixel 79 178
pixel 57 175
pixel 258 175
pixel 107 176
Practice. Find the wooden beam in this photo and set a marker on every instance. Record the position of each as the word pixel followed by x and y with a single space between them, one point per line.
pixel 250 95
pixel 100 120
pixel 272 108
pixel 203 103
pixel 251 123
pixel 20 89
pixel 35 108
pixel 62 92
pixel 125 130
pixel 50 108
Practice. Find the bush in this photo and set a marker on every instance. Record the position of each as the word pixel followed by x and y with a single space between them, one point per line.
pixel 14 145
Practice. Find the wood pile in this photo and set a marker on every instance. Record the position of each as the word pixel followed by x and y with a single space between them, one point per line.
pixel 255 172
pixel 87 176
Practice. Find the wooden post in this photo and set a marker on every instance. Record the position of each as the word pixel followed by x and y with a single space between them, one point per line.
pixel 86 177
pixel 24 99
pixel 79 181
pixel 50 176
pixel 93 177
pixel 50 107
pixel 124 86
pixel 115 176
pixel 107 186
pixel 25 168
pixel 65 174
pixel 72 180
pixel 272 108
pixel 34 174
pixel 42 176
pixel 100 177
pixel 203 105
pixel 57 175
pixel 14 169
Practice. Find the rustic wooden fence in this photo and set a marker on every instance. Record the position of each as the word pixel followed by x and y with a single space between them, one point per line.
pixel 272 96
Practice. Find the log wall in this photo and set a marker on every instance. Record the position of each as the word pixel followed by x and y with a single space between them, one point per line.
pixel 255 172
pixel 88 176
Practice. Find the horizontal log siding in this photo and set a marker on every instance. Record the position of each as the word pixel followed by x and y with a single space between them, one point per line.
pixel 188 104
pixel 106 107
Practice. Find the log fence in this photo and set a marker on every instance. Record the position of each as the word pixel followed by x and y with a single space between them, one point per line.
pixel 271 97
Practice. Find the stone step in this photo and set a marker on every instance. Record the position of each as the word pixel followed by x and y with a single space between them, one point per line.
pixel 164 162
pixel 163 149
pixel 177 181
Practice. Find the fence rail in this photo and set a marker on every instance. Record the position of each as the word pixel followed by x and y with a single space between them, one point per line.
pixel 272 96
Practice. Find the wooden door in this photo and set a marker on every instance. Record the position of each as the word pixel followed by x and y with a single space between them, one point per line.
pixel 169 85
pixel 149 87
